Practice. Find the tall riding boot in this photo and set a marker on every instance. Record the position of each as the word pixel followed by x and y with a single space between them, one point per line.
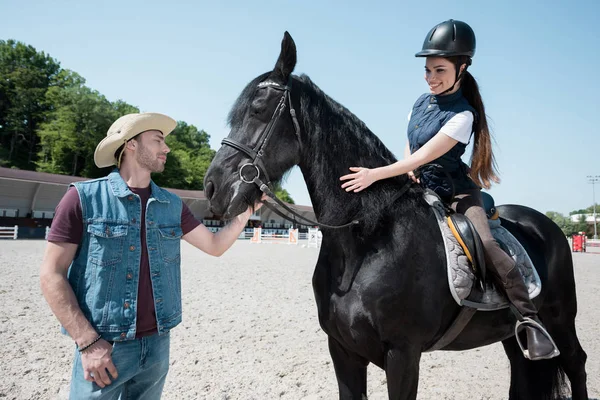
pixel 540 345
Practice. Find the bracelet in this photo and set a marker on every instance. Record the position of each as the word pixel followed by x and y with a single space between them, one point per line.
pixel 84 348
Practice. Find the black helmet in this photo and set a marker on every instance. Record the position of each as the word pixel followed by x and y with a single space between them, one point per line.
pixel 449 38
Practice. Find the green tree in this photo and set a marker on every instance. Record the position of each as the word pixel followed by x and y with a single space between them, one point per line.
pixel 52 122
pixel 26 77
pixel 588 210
pixel 188 160
pixel 282 193
pixel 581 225
pixel 78 122
pixel 564 223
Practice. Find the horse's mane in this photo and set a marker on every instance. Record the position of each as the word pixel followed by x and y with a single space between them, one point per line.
pixel 335 139
pixel 339 140
pixel 340 130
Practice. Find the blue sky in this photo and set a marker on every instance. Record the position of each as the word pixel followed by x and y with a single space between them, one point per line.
pixel 537 66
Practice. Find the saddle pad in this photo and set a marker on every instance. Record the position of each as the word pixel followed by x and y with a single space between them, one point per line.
pixel 460 275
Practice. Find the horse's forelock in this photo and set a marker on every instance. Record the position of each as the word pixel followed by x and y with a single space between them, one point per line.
pixel 236 115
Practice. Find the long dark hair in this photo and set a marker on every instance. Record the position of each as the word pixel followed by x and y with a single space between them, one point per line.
pixel 483 164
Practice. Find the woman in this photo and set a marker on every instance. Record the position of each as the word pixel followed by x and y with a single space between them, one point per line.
pixel 440 127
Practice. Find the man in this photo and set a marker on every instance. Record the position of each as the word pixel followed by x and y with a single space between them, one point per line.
pixel 111 271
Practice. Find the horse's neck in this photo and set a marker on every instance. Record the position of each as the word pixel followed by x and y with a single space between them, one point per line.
pixel 334 140
pixel 321 169
pixel 326 194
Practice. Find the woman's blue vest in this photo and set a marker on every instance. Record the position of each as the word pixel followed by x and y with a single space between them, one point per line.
pixel 448 174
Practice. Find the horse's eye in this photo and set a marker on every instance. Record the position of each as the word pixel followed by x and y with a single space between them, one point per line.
pixel 257 108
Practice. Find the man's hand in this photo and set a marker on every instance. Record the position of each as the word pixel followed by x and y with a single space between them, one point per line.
pixel 96 361
pixel 249 211
pixel 216 244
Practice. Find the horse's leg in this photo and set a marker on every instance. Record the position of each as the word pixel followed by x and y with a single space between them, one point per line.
pixel 350 371
pixel 402 372
pixel 558 313
pixel 572 356
pixel 519 388
pixel 532 380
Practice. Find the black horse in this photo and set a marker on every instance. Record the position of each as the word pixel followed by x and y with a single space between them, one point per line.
pixel 381 286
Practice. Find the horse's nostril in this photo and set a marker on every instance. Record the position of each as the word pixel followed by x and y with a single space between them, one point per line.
pixel 209 190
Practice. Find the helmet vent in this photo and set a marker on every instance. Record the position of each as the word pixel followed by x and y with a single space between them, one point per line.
pixel 432 33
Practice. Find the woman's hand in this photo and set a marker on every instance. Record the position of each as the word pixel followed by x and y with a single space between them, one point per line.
pixel 412 176
pixel 361 179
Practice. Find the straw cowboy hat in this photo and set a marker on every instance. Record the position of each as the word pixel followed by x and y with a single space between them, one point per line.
pixel 124 129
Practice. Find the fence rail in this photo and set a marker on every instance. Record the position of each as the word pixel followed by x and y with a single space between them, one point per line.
pixel 9 232
pixel 13 232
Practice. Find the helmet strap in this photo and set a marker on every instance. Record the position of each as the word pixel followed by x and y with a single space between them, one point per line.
pixel 458 77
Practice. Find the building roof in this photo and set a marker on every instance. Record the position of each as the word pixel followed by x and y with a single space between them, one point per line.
pixel 64 180
pixel 38 177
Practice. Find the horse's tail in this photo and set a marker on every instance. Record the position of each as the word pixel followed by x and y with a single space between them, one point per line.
pixel 547 379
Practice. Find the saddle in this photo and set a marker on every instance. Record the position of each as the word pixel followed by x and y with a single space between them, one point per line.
pixel 469 282
pixel 470 285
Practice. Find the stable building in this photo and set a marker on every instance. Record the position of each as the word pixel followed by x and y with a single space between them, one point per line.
pixel 28 200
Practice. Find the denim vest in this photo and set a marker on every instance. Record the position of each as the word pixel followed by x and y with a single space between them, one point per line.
pixel 105 272
pixel 429 114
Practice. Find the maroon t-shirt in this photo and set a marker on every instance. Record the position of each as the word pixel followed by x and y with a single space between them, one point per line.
pixel 67 226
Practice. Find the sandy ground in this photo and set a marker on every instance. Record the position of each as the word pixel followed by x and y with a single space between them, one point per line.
pixel 249 331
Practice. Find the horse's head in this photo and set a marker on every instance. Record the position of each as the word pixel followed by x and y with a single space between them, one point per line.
pixel 264 141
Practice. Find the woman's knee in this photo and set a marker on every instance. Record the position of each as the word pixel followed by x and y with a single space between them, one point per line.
pixel 490 244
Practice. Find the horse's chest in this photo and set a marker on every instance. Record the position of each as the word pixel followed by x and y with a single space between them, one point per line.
pixel 348 317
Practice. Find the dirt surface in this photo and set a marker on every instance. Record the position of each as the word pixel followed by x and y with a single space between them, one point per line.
pixel 249 331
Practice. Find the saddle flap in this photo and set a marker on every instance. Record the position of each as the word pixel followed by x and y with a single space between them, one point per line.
pixel 467 287
pixel 464 231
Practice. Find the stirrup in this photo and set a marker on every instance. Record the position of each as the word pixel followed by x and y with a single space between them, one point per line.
pixel 522 324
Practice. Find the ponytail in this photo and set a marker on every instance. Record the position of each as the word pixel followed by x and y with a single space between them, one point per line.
pixel 483 164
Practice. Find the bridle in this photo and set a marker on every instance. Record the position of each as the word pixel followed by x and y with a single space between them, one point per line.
pixel 256 154
pixel 251 172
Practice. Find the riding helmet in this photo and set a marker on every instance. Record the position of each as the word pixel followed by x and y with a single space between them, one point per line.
pixel 449 38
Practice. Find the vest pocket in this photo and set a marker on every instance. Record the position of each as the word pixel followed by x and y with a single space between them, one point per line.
pixel 170 238
pixel 106 243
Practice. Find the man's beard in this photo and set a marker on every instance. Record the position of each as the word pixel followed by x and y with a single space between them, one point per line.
pixel 149 161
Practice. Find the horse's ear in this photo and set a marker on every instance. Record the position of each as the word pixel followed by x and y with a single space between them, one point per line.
pixel 287 59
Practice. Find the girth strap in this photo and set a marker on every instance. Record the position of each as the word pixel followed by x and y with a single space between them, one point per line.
pixel 458 325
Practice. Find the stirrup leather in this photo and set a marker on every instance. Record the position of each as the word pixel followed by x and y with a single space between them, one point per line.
pixel 522 324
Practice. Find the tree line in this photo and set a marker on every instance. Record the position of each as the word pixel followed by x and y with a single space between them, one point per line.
pixel 570 227
pixel 50 121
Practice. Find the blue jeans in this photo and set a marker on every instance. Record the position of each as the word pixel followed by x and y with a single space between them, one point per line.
pixel 142 366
